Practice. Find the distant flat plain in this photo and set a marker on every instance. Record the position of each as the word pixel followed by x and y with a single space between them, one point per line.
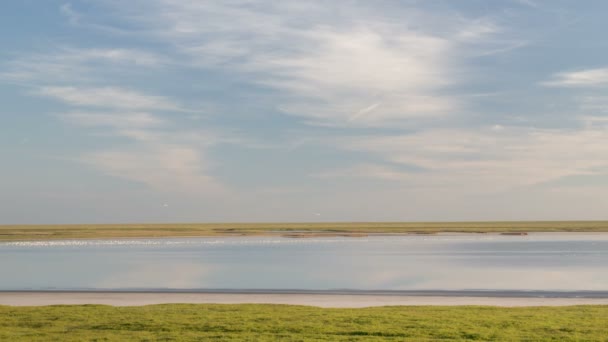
pixel 107 231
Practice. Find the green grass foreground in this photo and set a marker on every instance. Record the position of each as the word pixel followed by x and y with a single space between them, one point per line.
pixel 53 232
pixel 185 322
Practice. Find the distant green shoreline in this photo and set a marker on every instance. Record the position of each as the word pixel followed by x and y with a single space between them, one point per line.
pixel 97 231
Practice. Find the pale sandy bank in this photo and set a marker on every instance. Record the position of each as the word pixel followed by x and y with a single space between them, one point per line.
pixel 320 300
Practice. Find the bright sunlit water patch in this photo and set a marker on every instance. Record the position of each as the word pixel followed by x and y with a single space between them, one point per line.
pixel 549 261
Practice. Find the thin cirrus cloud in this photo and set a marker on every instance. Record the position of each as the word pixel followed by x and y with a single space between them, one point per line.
pixel 581 78
pixel 491 159
pixel 121 120
pixel 355 65
pixel 154 155
pixel 113 97
pixel 594 105
pixel 162 166
pixel 72 16
pixel 77 65
pixel 359 78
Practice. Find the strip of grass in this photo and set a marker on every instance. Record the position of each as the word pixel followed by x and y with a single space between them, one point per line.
pixel 54 232
pixel 185 322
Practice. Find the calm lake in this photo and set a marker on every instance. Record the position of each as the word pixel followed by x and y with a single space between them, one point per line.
pixel 542 261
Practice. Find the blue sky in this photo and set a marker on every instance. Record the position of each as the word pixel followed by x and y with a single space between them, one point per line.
pixel 243 110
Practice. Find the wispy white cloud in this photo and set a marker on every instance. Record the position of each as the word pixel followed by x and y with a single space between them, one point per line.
pixel 74 64
pixel 367 170
pixel 478 30
pixel 122 56
pixel 109 97
pixel 136 120
pixel 581 78
pixel 163 166
pixel 484 159
pixel 154 156
pixel 148 151
pixel 361 77
pixel 529 3
pixel 72 16
pixel 328 61
pixel 594 104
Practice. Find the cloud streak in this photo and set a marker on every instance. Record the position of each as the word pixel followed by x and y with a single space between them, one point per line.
pixel 581 78
pixel 109 97
pixel 136 120
pixel 70 65
pixel 484 159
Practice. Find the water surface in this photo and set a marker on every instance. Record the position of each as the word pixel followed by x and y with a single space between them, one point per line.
pixel 542 261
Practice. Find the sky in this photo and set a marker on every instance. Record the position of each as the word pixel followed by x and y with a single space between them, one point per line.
pixel 244 110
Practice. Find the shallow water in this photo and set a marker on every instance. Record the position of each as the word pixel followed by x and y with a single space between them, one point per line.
pixel 542 261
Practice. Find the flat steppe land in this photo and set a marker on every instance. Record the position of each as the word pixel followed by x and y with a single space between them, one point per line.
pixel 212 322
pixel 87 231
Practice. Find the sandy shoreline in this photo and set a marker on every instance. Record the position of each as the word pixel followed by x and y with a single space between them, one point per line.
pixel 319 300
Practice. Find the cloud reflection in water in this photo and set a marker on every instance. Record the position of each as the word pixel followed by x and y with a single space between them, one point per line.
pixel 451 262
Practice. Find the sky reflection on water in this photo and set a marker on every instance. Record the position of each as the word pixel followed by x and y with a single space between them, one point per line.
pixel 567 262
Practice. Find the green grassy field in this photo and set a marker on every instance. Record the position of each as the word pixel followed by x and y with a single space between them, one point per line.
pixel 49 232
pixel 182 322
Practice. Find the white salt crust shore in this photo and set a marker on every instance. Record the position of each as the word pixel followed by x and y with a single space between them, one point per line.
pixel 318 300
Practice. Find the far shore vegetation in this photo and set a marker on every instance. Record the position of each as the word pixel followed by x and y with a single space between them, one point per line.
pixel 294 230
